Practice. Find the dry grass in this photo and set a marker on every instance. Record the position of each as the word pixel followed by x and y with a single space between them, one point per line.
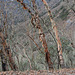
pixel 41 72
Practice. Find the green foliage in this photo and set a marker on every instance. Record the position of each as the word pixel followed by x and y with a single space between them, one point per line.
pixel 37 58
pixel 57 11
pixel 63 15
pixel 24 65
pixel 26 43
pixel 68 53
pixel 42 14
pixel 57 4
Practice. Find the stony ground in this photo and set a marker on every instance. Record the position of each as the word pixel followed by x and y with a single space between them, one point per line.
pixel 41 72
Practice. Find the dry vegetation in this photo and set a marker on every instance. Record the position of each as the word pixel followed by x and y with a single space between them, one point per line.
pixel 41 72
pixel 37 37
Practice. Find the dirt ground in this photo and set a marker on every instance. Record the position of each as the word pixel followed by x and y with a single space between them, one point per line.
pixel 41 72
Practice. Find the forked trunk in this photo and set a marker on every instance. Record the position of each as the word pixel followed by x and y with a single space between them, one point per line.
pixel 41 34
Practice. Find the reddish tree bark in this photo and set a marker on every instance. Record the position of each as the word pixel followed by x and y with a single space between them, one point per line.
pixel 41 34
pixel 7 52
pixel 61 61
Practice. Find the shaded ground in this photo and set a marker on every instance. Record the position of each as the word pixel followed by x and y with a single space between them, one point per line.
pixel 41 72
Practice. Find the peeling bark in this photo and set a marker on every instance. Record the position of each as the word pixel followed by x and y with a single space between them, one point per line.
pixel 35 18
pixel 42 36
pixel 61 61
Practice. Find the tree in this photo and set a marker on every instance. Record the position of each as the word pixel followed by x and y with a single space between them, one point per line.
pixel 61 61
pixel 38 26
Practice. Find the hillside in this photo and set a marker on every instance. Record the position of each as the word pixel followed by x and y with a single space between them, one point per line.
pixel 23 37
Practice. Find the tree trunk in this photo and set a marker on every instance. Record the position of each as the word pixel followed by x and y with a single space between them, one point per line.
pixel 42 36
pixel 7 53
pixel 4 62
pixel 56 34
